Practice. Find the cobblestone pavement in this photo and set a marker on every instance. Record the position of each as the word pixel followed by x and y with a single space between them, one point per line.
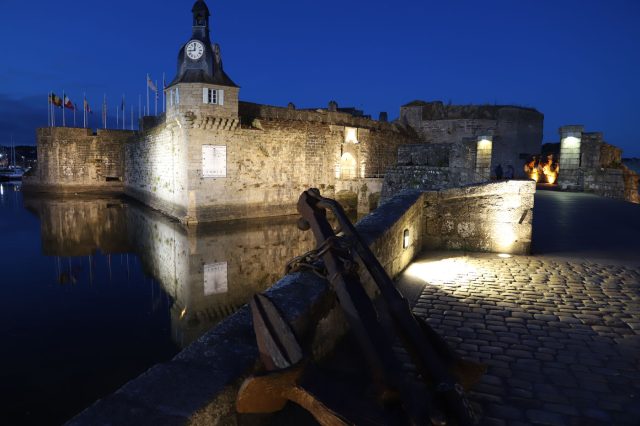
pixel 560 337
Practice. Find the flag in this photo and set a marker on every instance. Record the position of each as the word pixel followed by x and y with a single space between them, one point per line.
pixel 87 107
pixel 150 84
pixel 68 103
pixel 55 100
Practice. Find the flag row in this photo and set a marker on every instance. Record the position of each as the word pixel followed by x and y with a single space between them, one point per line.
pixel 64 102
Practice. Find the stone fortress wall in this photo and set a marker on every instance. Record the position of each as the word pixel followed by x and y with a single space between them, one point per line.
pixel 79 160
pixel 155 168
pixel 587 163
pixel 272 155
pixel 515 133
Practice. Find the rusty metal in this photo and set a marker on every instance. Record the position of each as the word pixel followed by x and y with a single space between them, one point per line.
pixel 360 313
pixel 429 351
pixel 276 342
pixel 283 359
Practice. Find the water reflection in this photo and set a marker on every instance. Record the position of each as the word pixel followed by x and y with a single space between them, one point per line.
pixel 207 272
pixel 97 290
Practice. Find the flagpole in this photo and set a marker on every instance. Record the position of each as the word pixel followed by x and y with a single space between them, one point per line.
pixel 139 106
pixel 156 101
pixel 48 111
pixel 84 109
pixel 163 100
pixel 117 117
pixel 63 98
pixel 75 107
pixel 124 115
pixel 131 118
pixel 148 79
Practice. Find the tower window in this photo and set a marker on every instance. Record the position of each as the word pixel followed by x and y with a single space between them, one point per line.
pixel 213 96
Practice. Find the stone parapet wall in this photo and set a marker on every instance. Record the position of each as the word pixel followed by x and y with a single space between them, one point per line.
pixel 76 159
pixel 492 217
pixel 250 111
pixel 200 384
pixel 605 182
pixel 423 178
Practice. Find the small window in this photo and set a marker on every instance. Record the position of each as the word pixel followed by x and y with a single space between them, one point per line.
pixel 350 135
pixel 213 96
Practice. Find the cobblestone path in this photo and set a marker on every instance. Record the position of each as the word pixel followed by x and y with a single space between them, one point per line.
pixel 561 338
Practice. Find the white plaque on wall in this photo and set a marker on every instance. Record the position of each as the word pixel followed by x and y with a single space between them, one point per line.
pixel 214 161
pixel 215 278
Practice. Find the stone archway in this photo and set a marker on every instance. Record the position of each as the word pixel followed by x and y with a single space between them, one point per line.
pixel 348 166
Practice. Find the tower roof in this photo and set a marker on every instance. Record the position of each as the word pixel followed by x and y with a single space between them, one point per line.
pixel 200 6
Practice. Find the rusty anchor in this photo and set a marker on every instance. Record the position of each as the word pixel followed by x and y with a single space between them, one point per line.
pixel 433 358
pixel 282 357
pixel 439 400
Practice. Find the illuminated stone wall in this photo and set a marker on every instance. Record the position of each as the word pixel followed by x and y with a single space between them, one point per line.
pixel 493 217
pixel 516 131
pixel 431 167
pixel 589 164
pixel 277 153
pixel 75 159
pixel 155 167
pixel 191 101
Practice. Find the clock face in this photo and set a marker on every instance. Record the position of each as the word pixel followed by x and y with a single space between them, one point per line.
pixel 195 49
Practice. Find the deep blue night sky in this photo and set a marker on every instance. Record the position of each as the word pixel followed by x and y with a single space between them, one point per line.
pixel 576 61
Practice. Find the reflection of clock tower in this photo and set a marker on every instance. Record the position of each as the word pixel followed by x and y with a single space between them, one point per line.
pixel 201 85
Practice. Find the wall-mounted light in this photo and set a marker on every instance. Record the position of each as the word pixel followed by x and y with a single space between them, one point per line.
pixel 485 142
pixel 571 142
pixel 406 239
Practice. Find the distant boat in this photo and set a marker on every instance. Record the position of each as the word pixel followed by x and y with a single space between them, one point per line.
pixel 11 173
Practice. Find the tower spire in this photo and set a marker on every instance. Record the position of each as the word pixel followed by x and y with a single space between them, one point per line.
pixel 200 14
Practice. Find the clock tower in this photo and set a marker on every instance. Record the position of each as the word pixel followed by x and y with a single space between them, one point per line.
pixel 201 85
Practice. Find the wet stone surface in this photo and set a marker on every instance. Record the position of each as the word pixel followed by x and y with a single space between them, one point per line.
pixel 560 337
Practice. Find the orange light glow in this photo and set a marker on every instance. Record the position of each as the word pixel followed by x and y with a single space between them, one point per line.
pixel 547 171
pixel 531 170
pixel 550 170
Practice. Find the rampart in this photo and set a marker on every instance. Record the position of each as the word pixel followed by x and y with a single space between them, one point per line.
pixel 200 384
pixel 431 167
pixel 271 155
pixel 516 132
pixel 78 160
pixel 590 164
